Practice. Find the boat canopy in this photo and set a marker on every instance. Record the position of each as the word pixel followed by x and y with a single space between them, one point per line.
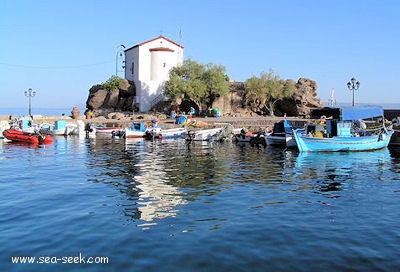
pixel 356 113
pixel 138 126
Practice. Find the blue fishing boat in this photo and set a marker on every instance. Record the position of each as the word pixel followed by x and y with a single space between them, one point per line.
pixel 347 129
pixel 142 130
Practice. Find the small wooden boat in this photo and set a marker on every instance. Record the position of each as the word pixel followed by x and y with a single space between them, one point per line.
pixel 349 129
pixel 172 133
pixel 140 129
pixel 27 137
pixel 242 136
pixel 136 130
pixel 107 130
pixel 281 135
pixel 253 138
pixel 203 134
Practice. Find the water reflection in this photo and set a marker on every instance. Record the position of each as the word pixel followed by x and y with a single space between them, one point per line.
pixel 157 178
pixel 331 171
pixel 394 151
pixel 157 198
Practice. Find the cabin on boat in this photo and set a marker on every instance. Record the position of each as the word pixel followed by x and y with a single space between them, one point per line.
pixel 148 65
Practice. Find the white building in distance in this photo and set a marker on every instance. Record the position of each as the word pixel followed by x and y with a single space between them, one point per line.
pixel 148 65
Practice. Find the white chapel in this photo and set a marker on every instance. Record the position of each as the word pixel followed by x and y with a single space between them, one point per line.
pixel 148 65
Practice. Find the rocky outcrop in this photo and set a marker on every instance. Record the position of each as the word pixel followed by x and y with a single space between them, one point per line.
pixel 102 101
pixel 303 99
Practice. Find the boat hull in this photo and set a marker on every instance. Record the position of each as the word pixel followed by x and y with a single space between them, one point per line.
pixel 26 137
pixel 281 140
pixel 203 134
pixel 336 143
pixel 139 130
pixel 173 133
pixel 107 130
pixel 134 134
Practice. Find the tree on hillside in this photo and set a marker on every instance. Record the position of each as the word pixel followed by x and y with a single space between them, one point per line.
pixel 263 92
pixel 196 82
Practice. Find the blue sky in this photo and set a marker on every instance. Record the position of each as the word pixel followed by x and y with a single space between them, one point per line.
pixel 62 48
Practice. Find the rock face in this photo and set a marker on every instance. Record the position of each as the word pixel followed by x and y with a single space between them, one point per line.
pixel 103 102
pixel 304 98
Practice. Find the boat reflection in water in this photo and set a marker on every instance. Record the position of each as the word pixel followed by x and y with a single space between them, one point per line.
pixel 395 151
pixel 333 171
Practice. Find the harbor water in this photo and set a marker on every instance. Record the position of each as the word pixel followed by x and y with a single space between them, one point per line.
pixel 103 204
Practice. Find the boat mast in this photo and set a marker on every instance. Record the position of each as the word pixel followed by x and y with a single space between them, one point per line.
pixel 332 100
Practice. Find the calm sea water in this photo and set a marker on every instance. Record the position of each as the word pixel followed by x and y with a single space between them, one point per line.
pixel 169 206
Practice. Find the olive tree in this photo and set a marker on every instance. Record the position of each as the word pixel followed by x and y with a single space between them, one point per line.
pixel 263 92
pixel 200 83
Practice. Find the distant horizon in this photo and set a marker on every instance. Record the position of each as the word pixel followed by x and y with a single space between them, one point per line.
pixel 326 104
pixel 46 111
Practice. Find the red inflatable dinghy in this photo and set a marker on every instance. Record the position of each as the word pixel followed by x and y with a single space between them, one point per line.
pixel 26 137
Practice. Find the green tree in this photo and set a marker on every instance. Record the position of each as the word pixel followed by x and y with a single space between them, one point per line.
pixel 216 83
pixel 112 83
pixel 263 92
pixel 196 82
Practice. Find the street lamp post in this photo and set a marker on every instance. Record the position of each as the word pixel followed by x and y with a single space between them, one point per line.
pixel 119 52
pixel 30 93
pixel 353 85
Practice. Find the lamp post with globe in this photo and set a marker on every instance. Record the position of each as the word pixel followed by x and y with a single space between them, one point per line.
pixel 30 93
pixel 353 85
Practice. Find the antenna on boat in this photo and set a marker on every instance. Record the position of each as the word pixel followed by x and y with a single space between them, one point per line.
pixel 332 100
